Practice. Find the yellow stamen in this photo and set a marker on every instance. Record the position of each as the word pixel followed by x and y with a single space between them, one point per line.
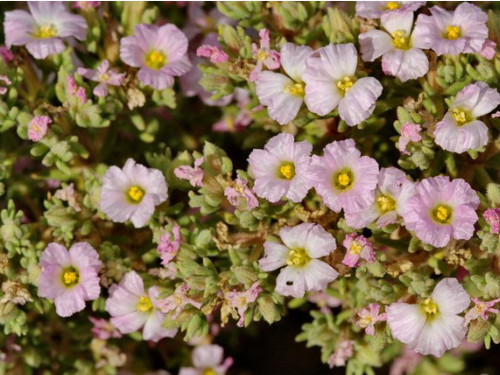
pixel 287 171
pixel 298 258
pixel 295 89
pixel 156 59
pixel 400 40
pixel 144 304
pixel 345 84
pixel 344 179
pixel 262 55
pixel 70 277
pixel 461 116
pixel 103 77
pixel 135 194
pixel 209 371
pixel 452 32
pixel 386 204
pixel 393 5
pixel 365 321
pixel 47 31
pixel 356 247
pixel 430 308
pixel 442 214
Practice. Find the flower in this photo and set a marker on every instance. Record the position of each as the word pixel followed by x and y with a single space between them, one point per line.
pixel 432 326
pixel 37 127
pixel 442 209
pixel 264 55
pixel 488 50
pixel 241 300
pixel 131 193
pixel 409 133
pixel 406 363
pixel 240 195
pixel 283 94
pixel 375 9
pixel 280 169
pixel 131 308
pixel 392 191
pixel 401 52
pixel 451 33
pixel 331 82
pixel 492 217
pixel 343 178
pixel 201 22
pixel 68 194
pixel 324 301
pixel 168 248
pixel 460 130
pixel 159 51
pixel 69 277
pixel 175 303
pixel 104 76
pixel 74 90
pixel 216 54
pixel 480 309
pixel 6 80
pixel 207 360
pixel 194 175
pixel 6 54
pixel 369 317
pixel 358 247
pixel 103 329
pixel 303 244
pixel 344 351
pixel 43 29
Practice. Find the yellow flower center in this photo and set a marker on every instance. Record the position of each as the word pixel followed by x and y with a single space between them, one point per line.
pixel 70 277
pixel 103 77
pixel 400 40
pixel 461 116
pixel 298 258
pixel 393 5
pixel 296 89
pixel 156 59
pixel 135 194
pixel 345 84
pixel 429 308
pixel 287 171
pixel 144 304
pixel 365 321
pixel 442 214
pixel 262 55
pixel 209 371
pixel 452 32
pixel 47 31
pixel 385 203
pixel 343 179
pixel 356 247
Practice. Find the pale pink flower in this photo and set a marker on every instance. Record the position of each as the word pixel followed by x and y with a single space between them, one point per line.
pixel 214 53
pixel 375 9
pixel 358 247
pixel 201 22
pixel 193 174
pixel 492 217
pixel 324 301
pixel 264 55
pixel 103 330
pixel 241 300
pixel 168 247
pixel 240 195
pixel 104 76
pixel 489 49
pixel 409 133
pixel 6 80
pixel 480 309
pixel 174 304
pixel 406 363
pixel 207 360
pixel 74 90
pixel 344 351
pixel 369 316
pixel 37 127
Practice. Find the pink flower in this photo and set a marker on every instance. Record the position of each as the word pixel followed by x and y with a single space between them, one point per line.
pixel 194 175
pixel 401 52
pixel 74 90
pixel 453 32
pixel 489 49
pixel 358 247
pixel 86 4
pixel 409 133
pixel 240 195
pixel 304 272
pixel 6 54
pixel 216 54
pixel 324 301
pixel 264 55
pixel 369 317
pixel 37 127
pixel 174 304
pixel 480 309
pixel 201 22
pixel 406 363
pixel 343 178
pixel 331 83
pixel 280 169
pixel 375 9
pixel 131 308
pixel 344 351
pixel 69 277
pixel 43 29
pixel 103 329
pixel 207 360
pixel 168 248
pixel 283 95
pixel 393 190
pixel 159 51
pixel 492 217
pixel 104 76
pixel 441 210
pixel 460 130
pixel 432 326
pixel 241 300
pixel 6 80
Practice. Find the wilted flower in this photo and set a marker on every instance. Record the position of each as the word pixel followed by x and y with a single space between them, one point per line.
pixel 460 130
pixel 43 29
pixel 280 169
pixel 432 326
pixel 480 309
pixel 131 308
pixel 492 217
pixel 207 360
pixel 193 174
pixel 131 193
pixel 375 9
pixel 214 53
pixel 240 195
pixel 68 194
pixel 103 330
pixel 69 277
pixel 343 178
pixel 344 351
pixel 15 292
pixel 104 76
pixel 409 133
pixel 264 55
pixel 174 303
pixel 358 247
pixel 37 127
pixel 442 209
pixel 6 54
pixel 303 244
pixel 369 316
pixel 168 247
pixel 159 51
pixel 241 300
pixel 74 90
pixel 6 80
